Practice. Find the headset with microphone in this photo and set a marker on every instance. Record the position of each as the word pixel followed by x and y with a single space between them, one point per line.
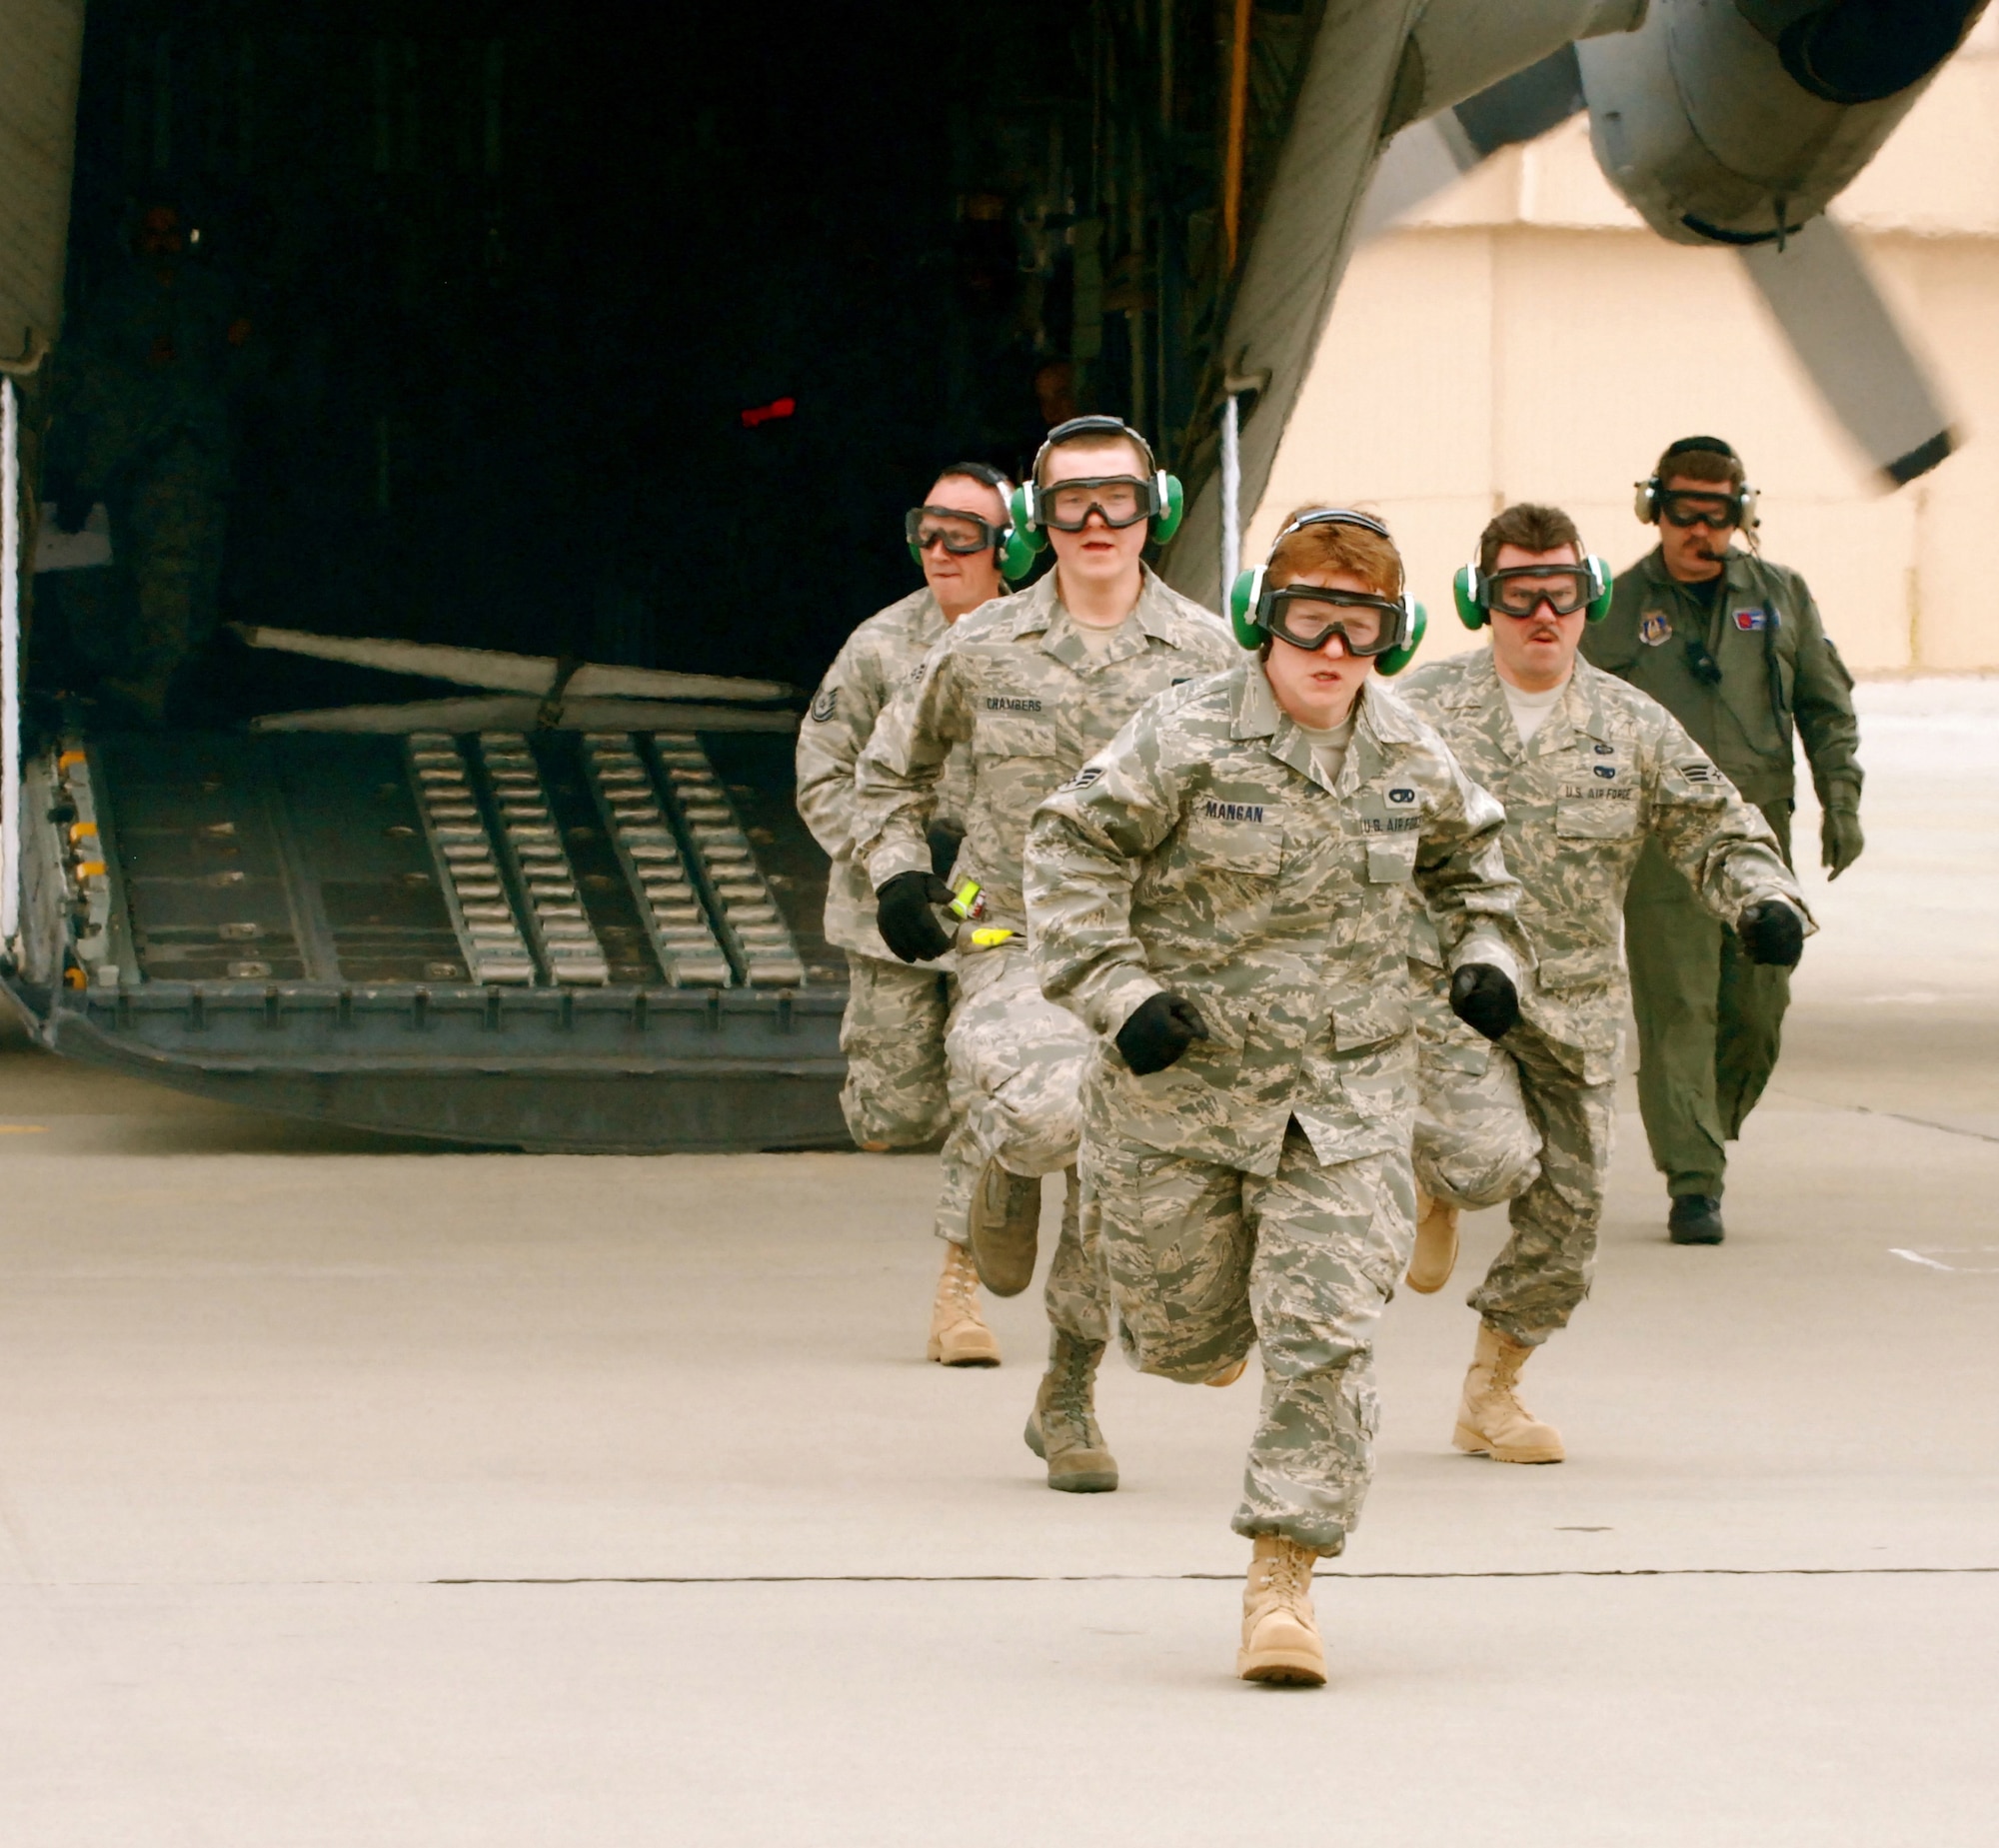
pixel 1649 501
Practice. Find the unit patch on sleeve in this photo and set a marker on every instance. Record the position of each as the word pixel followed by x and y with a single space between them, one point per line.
pixel 1653 629
pixel 1752 618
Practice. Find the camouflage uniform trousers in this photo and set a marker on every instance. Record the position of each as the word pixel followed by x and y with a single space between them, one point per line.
pixel 1543 1272
pixel 1474 1144
pixel 1016 1065
pixel 1203 1259
pixel 895 1095
pixel 157 605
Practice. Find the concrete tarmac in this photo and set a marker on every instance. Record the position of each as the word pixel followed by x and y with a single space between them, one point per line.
pixel 356 1493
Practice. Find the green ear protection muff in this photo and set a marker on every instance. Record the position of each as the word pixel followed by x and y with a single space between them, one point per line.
pixel 1394 660
pixel 1467 591
pixel 1246 592
pixel 1244 597
pixel 1007 548
pixel 1024 544
pixel 1028 538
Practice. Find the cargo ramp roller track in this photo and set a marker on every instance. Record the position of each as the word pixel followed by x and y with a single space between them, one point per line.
pixel 601 941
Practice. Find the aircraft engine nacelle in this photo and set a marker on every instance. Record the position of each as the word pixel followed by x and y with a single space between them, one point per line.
pixel 1738 121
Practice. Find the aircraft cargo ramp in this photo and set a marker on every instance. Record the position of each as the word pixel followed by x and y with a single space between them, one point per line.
pixel 552 940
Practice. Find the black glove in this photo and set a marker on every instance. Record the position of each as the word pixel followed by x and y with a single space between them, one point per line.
pixel 1484 997
pixel 1161 1029
pixel 943 840
pixel 904 910
pixel 1773 932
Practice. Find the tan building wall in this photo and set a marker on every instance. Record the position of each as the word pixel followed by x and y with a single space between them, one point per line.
pixel 1525 338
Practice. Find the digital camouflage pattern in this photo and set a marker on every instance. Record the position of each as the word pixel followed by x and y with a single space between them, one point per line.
pixel 1078 1302
pixel 1543 1270
pixel 1015 684
pixel 1608 771
pixel 1259 1188
pixel 895 1095
pixel 897 1089
pixel 1013 693
pixel 883 654
pixel 1203 1259
pixel 1474 1143
pixel 1205 853
pixel 1016 1063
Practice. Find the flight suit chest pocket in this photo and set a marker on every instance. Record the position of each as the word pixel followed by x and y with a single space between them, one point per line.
pixel 1231 837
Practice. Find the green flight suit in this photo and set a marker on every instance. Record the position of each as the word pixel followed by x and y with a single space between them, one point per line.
pixel 1710 1022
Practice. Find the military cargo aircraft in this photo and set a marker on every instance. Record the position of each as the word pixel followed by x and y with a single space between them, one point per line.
pixel 584 359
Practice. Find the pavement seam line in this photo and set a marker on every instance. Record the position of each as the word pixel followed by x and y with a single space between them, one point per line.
pixel 1899 1117
pixel 1171 1578
pixel 1923 1122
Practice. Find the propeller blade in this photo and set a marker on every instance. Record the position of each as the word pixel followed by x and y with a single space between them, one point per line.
pixel 1846 337
pixel 1428 155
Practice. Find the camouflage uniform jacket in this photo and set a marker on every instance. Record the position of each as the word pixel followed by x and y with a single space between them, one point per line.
pixel 878 658
pixel 1016 683
pixel 1778 667
pixel 1204 853
pixel 1607 768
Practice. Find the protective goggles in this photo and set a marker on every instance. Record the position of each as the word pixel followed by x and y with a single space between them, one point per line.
pixel 1304 615
pixel 960 534
pixel 1716 512
pixel 1121 501
pixel 1522 589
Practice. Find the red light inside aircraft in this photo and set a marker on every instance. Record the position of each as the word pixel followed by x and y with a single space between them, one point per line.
pixel 765 413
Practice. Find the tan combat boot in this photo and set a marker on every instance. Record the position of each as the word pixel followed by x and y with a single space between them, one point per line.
pixel 1491 1421
pixel 958 1334
pixel 1437 1244
pixel 1005 1225
pixel 1063 1429
pixel 1279 1633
